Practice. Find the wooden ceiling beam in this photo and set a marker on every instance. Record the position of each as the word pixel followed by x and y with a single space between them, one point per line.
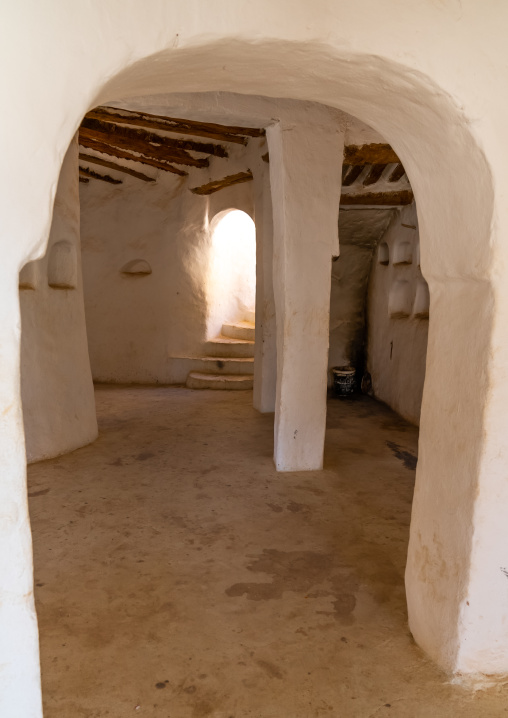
pixel 374 174
pixel 225 133
pixel 125 155
pixel 140 141
pixel 217 185
pixel 114 166
pixel 207 148
pixel 371 154
pixel 397 174
pixel 90 174
pixel 352 174
pixel 386 199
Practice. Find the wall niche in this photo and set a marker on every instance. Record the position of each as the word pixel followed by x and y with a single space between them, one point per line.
pixel 383 254
pixel 28 276
pixel 402 253
pixel 400 299
pixel 417 254
pixel 422 300
pixel 136 268
pixel 62 266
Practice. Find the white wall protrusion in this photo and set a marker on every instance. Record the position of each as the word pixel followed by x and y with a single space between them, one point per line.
pixel 28 276
pixel 62 266
pixel 383 254
pixel 136 267
pixel 56 382
pixel 402 253
pixel 396 350
pixel 416 256
pixel 399 299
pixel 422 300
pixel 305 176
pixel 265 362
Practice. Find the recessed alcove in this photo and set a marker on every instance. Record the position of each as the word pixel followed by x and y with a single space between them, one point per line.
pixel 62 266
pixel 383 254
pixel 422 300
pixel 402 253
pixel 28 276
pixel 137 268
pixel 399 299
pixel 416 255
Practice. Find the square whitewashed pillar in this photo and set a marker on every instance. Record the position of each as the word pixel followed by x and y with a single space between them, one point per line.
pixel 305 176
pixel 265 356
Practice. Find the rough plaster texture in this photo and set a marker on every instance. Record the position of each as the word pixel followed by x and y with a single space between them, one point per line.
pixel 397 346
pixel 122 343
pixel 438 97
pixel 265 350
pixel 56 382
pixel 146 329
pixel 360 231
pixel 231 593
pixel 176 350
pixel 305 218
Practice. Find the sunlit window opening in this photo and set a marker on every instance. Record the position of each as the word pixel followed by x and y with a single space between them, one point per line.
pixel 231 285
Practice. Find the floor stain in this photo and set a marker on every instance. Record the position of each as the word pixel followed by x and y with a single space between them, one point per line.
pixel 144 456
pixel 271 669
pixel 408 459
pixel 300 572
pixel 132 567
pixel 275 507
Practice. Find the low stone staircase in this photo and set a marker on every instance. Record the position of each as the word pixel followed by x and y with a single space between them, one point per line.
pixel 229 360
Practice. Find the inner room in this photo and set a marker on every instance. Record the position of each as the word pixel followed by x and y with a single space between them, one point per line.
pixel 222 368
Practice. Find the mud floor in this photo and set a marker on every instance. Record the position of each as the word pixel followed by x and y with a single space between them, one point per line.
pixel 179 576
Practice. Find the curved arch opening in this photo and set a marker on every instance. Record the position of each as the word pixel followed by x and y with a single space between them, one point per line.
pixel 231 281
pixel 419 144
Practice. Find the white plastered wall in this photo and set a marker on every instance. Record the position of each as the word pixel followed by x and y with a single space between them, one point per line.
pixel 438 96
pixel 397 345
pixel 360 230
pixel 146 328
pixel 56 383
pixel 156 324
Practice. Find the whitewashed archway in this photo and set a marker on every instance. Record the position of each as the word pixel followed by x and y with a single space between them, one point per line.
pixel 430 113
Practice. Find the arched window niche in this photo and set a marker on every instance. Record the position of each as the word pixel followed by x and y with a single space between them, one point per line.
pixel 231 276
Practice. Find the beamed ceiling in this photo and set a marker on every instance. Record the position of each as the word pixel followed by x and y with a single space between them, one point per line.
pixel 372 174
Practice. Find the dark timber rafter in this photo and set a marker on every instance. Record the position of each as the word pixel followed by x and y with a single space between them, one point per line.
pixel 387 199
pixel 206 148
pixel 216 185
pixel 114 166
pixel 373 154
pixel 225 133
pixel 146 143
pixel 397 173
pixel 90 174
pixel 125 155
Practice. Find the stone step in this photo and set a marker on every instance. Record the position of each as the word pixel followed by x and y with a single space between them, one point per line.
pixel 239 330
pixel 227 347
pixel 222 365
pixel 225 382
pixel 250 316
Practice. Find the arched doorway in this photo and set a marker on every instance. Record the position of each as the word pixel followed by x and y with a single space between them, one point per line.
pixel 428 130
pixel 232 269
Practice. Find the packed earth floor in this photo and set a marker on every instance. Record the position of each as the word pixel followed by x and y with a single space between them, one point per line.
pixel 179 576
